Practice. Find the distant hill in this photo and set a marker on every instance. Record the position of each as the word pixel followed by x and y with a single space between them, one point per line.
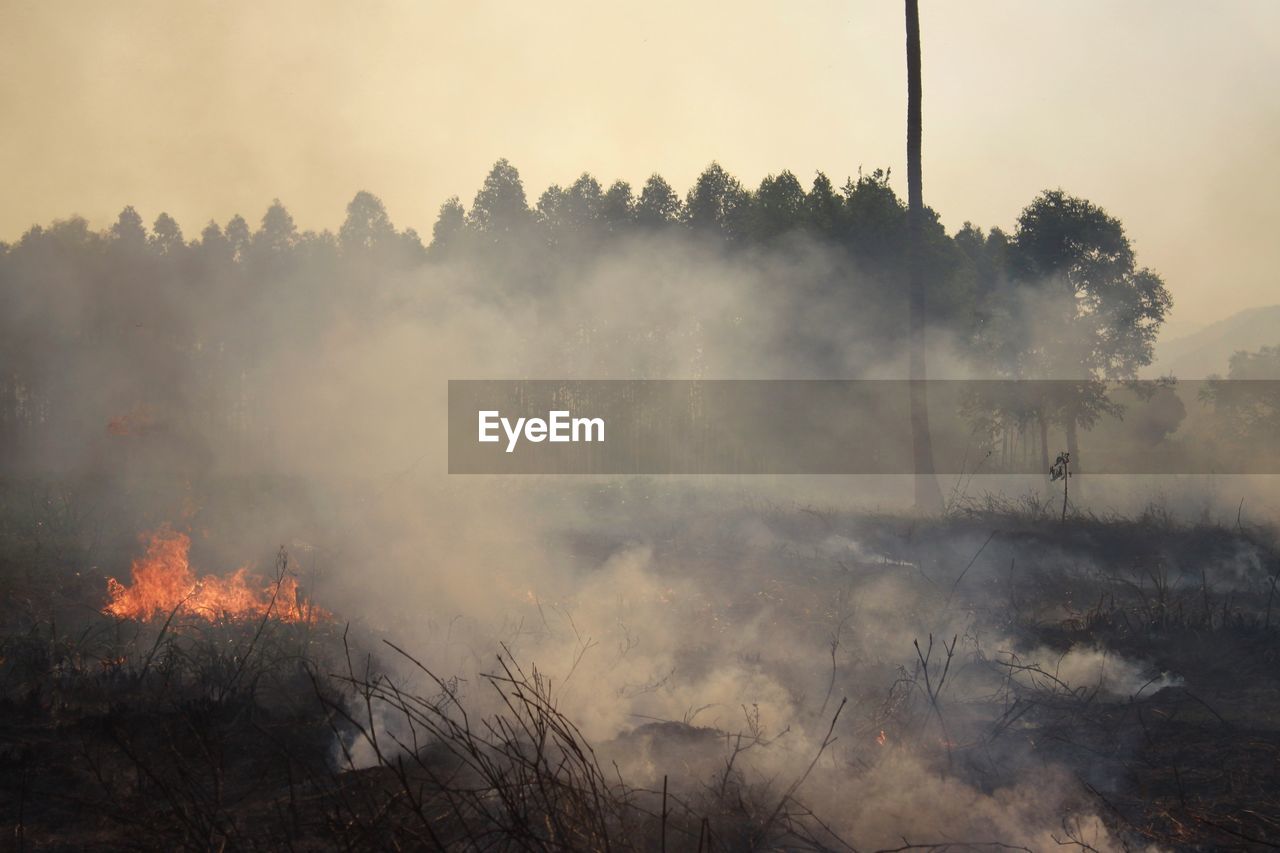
pixel 1208 350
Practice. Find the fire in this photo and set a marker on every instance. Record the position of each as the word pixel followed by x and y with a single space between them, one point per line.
pixel 137 421
pixel 163 582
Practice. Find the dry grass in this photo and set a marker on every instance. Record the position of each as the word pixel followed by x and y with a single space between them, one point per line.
pixel 265 735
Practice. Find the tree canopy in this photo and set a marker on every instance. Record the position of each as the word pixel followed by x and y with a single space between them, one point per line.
pixel 1062 295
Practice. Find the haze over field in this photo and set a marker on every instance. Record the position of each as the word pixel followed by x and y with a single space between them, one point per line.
pixel 1163 113
pixel 249 599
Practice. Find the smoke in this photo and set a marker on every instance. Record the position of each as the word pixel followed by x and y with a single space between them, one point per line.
pixel 1090 668
pixel 725 605
pixel 672 639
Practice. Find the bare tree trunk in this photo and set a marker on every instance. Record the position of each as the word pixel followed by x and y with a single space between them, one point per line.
pixel 927 493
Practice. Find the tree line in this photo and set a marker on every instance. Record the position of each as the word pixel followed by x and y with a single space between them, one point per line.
pixel 1061 296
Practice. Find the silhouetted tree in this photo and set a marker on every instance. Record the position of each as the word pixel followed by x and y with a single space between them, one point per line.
pixel 449 229
pixel 658 205
pixel 549 213
pixel 367 228
pixel 875 222
pixel 129 229
pixel 718 204
pixel 166 236
pixel 277 234
pixel 617 208
pixel 500 208
pixel 1091 313
pixel 582 204
pixel 213 242
pixel 823 208
pixel 237 232
pixel 199 321
pixel 780 207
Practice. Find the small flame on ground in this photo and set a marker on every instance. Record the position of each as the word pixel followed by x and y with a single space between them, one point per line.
pixel 163 582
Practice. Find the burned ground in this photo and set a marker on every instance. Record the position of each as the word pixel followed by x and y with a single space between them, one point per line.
pixel 996 675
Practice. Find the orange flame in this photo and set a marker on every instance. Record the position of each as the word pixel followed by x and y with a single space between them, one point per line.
pixel 164 583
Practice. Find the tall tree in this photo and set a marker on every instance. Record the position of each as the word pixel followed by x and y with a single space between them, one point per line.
pixel 500 208
pixel 549 213
pixel 367 227
pixel 128 229
pixel 238 236
pixel 658 205
pixel 780 207
pixel 617 207
pixel 166 236
pixel 582 204
pixel 718 204
pixel 928 495
pixel 823 209
pixel 1089 312
pixel 449 229
pixel 214 246
pixel 277 234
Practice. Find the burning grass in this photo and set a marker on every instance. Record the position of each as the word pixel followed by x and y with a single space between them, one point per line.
pixel 1128 666
pixel 162 583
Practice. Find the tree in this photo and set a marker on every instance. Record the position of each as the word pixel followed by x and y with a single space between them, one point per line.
pixel 582 205
pixel 1262 364
pixel 823 208
pixel 1089 312
pixel 367 227
pixel 214 245
pixel 1248 401
pixel 1000 342
pixel 1160 418
pixel 658 205
pixel 237 232
pixel 549 213
pixel 718 204
pixel 875 221
pixel 927 494
pixel 989 257
pixel 780 207
pixel 617 208
pixel 128 229
pixel 451 224
pixel 409 248
pixel 277 234
pixel 166 236
pixel 500 208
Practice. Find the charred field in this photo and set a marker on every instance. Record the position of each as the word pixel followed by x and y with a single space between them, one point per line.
pixel 748 675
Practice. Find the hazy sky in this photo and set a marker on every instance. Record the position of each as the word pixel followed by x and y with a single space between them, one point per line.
pixel 1165 113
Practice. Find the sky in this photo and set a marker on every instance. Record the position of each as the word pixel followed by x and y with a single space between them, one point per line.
pixel 1165 113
